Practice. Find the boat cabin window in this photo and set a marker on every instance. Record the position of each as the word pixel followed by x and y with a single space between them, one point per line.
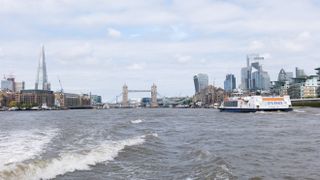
pixel 231 104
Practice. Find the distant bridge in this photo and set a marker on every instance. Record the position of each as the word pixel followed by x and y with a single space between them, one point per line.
pixel 152 91
pixel 165 101
pixel 138 91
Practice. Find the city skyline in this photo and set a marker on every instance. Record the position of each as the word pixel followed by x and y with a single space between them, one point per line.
pixel 109 44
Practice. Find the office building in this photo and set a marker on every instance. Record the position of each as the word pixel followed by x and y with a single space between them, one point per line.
pixel 230 83
pixel 246 78
pixel 253 77
pixel 19 86
pixel 260 80
pixel 42 77
pixel 300 73
pixel 304 88
pixel 10 85
pixel 35 98
pixel 72 101
pixel 285 76
pixel 96 100
pixel 318 73
pixel 7 84
pixel 201 81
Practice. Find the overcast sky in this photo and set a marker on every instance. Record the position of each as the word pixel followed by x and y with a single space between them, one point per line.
pixel 98 45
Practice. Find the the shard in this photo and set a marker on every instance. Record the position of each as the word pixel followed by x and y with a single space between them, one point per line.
pixel 42 78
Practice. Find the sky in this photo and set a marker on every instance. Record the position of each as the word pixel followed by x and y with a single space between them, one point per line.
pixel 99 45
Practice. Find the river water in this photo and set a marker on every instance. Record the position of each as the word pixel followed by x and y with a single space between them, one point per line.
pixel 159 144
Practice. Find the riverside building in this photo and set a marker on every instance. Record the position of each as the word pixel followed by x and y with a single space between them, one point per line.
pixel 304 87
pixel 318 73
pixel 36 97
pixel 72 101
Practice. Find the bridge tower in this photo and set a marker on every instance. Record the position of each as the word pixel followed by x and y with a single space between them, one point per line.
pixel 154 101
pixel 125 100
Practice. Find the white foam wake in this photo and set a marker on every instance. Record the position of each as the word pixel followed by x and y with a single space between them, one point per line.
pixel 18 146
pixel 69 162
pixel 136 121
pixel 299 111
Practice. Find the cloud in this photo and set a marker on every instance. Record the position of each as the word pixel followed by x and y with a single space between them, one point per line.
pixel 304 36
pixel 256 45
pixel 178 33
pixel 136 66
pixel 1 52
pixel 114 33
pixel 183 58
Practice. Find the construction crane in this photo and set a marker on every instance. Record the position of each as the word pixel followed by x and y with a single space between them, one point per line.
pixel 61 89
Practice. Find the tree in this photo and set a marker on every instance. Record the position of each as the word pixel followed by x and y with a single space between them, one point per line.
pixel 13 104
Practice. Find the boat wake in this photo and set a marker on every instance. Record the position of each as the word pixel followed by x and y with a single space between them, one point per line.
pixel 18 146
pixel 298 111
pixel 136 121
pixel 69 161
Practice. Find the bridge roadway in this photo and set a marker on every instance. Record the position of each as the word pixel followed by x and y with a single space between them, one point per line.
pixel 135 91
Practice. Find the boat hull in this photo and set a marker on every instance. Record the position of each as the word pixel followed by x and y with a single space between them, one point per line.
pixel 248 110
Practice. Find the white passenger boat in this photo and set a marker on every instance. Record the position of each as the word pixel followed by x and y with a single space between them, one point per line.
pixel 256 103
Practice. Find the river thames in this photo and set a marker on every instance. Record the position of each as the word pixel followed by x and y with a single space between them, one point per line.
pixel 159 144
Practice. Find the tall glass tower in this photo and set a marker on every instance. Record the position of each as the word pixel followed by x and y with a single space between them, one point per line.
pixel 201 81
pixel 230 83
pixel 42 78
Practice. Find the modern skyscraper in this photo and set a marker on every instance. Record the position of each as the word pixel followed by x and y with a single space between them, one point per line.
pixel 230 83
pixel 318 73
pixel 258 80
pixel 285 76
pixel 282 76
pixel 42 78
pixel 201 81
pixel 246 78
pixel 7 84
pixel 300 73
pixel 19 86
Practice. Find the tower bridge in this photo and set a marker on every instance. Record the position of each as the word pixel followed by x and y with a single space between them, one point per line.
pixel 152 91
pixel 157 100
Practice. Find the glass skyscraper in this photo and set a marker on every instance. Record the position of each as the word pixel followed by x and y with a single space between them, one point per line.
pixel 7 85
pixel 285 76
pixel 230 83
pixel 300 73
pixel 258 80
pixel 42 78
pixel 246 78
pixel 201 81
